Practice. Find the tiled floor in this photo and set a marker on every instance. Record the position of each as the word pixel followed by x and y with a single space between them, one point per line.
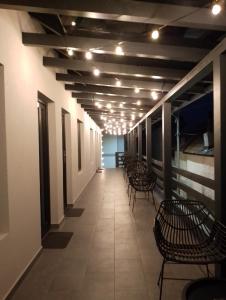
pixel 112 254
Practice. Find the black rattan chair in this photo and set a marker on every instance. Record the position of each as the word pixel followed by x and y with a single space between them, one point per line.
pixel 186 233
pixel 143 183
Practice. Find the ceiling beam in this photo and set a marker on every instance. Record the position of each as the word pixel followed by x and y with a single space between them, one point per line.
pixel 116 113
pixel 148 50
pixel 112 99
pixel 113 68
pixel 111 82
pixel 125 107
pixel 125 10
pixel 149 85
pixel 108 91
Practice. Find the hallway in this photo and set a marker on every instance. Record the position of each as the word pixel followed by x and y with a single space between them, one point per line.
pixel 112 254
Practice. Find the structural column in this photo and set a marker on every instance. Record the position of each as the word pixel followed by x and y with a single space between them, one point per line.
pixel 219 79
pixel 148 141
pixel 167 149
pixel 140 153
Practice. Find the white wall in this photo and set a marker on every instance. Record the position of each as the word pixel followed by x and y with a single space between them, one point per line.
pixel 24 77
pixel 201 165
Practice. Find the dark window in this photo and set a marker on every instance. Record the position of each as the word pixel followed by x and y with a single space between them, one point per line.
pixel 79 128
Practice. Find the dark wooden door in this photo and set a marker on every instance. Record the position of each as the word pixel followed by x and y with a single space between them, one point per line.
pixel 64 153
pixel 44 167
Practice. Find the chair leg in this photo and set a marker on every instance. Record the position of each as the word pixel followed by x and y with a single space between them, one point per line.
pixel 134 199
pixel 161 278
pixel 208 271
pixel 130 195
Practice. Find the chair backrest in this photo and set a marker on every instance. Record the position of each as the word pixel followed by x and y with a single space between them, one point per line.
pixel 186 222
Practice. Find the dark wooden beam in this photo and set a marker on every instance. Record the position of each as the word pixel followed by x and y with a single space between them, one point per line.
pixel 147 50
pixel 113 68
pixel 108 90
pixel 125 11
pixel 125 83
pixel 112 99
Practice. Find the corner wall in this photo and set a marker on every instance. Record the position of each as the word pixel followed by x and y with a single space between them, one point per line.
pixel 24 76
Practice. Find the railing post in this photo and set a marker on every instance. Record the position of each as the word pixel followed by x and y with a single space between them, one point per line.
pixel 134 144
pixel 140 142
pixel 148 141
pixel 219 84
pixel 166 149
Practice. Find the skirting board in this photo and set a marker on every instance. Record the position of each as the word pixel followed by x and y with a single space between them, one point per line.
pixel 91 177
pixel 22 275
pixel 56 226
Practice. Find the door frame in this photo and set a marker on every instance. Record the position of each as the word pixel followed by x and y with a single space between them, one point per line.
pixel 47 204
pixel 64 113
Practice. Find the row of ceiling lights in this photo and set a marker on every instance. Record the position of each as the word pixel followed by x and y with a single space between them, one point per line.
pixel 108 106
pixel 112 126
pixel 217 6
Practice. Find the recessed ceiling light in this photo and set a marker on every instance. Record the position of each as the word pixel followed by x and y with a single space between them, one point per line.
pixel 136 90
pixel 155 34
pixel 140 115
pixel 156 77
pixel 138 102
pixel 70 51
pixel 111 111
pixel 154 95
pixel 96 72
pixel 109 106
pixel 121 105
pixel 216 8
pixel 88 55
pixel 73 23
pixel 118 83
pixel 119 50
pixel 133 117
pixel 122 114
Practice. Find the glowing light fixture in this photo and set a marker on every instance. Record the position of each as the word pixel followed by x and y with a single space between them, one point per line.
pixel 154 95
pixel 122 114
pixel 133 117
pixel 109 106
pixel 96 72
pixel 73 23
pixel 216 7
pixel 136 90
pixel 138 102
pixel 140 115
pixel 119 50
pixel 111 111
pixel 88 55
pixel 70 51
pixel 155 34
pixel 121 105
pixel 118 83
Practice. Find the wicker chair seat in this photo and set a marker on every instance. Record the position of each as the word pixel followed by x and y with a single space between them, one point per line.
pixel 187 233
